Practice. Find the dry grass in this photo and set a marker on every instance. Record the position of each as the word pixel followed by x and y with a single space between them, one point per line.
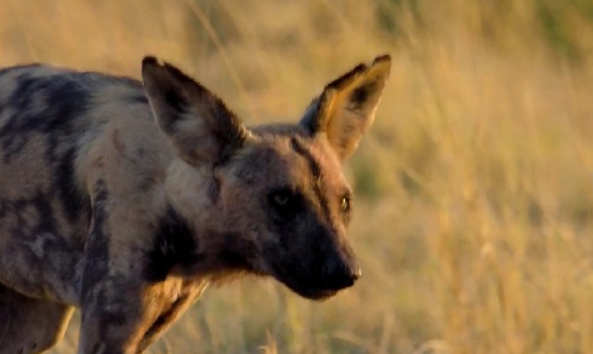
pixel 475 206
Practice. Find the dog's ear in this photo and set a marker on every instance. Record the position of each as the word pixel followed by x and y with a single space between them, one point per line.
pixel 197 122
pixel 346 108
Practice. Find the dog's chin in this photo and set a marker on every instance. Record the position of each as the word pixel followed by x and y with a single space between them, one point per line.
pixel 316 293
pixel 311 293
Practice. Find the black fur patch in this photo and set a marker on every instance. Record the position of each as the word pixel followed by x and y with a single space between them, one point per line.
pixel 97 246
pixel 47 108
pixel 32 221
pixel 175 101
pixel 316 174
pixel 53 108
pixel 74 201
pixel 236 251
pixel 44 105
pixel 174 245
pixel 361 94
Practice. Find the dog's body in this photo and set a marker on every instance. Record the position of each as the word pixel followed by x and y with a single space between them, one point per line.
pixel 102 209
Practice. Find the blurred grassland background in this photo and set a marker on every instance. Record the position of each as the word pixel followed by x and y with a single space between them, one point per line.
pixel 474 210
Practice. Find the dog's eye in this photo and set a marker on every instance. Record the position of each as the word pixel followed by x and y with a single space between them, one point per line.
pixel 345 204
pixel 282 198
pixel 285 203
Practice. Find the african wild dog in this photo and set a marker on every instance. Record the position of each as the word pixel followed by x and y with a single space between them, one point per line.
pixel 102 209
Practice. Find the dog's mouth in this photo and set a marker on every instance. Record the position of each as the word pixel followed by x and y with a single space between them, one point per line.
pixel 315 289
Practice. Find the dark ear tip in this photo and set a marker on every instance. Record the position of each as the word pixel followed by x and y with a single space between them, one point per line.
pixel 150 60
pixel 152 67
pixel 149 63
pixel 345 79
pixel 382 58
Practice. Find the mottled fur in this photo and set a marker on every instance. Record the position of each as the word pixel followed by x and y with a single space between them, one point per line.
pixel 126 199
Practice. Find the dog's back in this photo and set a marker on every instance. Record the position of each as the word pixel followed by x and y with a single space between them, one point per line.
pixel 51 121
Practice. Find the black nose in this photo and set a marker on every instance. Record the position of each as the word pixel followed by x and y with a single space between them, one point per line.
pixel 339 275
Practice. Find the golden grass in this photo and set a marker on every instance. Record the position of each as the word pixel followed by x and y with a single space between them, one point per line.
pixel 475 206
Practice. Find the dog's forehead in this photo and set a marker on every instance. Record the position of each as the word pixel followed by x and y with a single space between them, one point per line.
pixel 293 154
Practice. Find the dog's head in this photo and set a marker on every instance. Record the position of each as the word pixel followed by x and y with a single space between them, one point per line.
pixel 283 202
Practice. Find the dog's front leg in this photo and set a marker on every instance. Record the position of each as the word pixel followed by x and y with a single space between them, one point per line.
pixel 125 314
pixel 118 303
pixel 115 317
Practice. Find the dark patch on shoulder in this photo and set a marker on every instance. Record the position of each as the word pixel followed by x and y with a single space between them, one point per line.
pixel 75 202
pixel 174 245
pixel 97 245
pixel 69 101
pixel 46 219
